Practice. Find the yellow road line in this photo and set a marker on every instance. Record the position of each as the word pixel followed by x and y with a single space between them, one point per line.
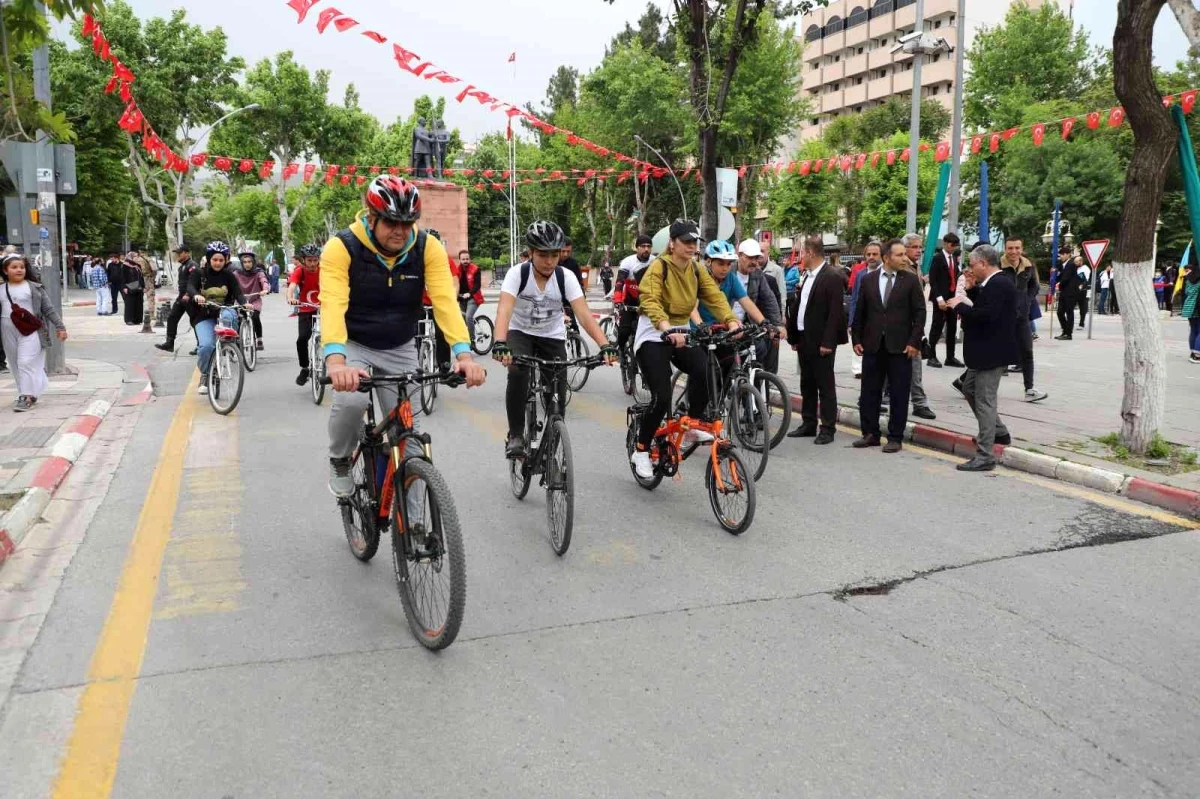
pixel 90 765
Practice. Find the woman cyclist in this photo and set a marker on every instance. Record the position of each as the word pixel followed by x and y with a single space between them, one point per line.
pixel 670 288
pixel 214 290
pixel 254 285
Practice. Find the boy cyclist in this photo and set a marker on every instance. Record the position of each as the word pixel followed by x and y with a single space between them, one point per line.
pixel 304 290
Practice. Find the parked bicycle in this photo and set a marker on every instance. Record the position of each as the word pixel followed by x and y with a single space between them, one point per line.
pixel 547 446
pixel 405 494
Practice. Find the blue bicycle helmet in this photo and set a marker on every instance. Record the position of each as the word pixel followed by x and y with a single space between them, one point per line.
pixel 720 250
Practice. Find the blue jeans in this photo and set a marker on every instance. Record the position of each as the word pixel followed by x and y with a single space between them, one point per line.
pixel 1194 334
pixel 1103 302
pixel 207 337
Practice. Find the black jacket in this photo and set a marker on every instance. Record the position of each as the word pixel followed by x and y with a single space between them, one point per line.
pixel 901 324
pixel 940 282
pixel 218 289
pixel 759 290
pixel 989 328
pixel 185 273
pixel 1027 288
pixel 825 316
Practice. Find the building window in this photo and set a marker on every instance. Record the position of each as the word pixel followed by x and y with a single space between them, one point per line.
pixel 837 58
pixel 858 81
pixel 935 90
pixel 937 57
pixel 858 109
pixel 835 25
pixel 857 17
pixel 937 24
pixel 860 51
pixel 880 8
pixel 815 121
pixel 813 33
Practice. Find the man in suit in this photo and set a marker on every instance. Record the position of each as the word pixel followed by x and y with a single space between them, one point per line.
pixel 943 280
pixel 914 249
pixel 872 261
pixel 889 321
pixel 816 324
pixel 1068 293
pixel 988 315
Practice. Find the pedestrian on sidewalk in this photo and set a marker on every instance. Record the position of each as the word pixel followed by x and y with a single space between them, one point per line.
pixel 97 281
pixel 914 247
pixel 1068 293
pixel 872 261
pixel 1021 272
pixel 1083 273
pixel 132 287
pixel 26 314
pixel 816 325
pixel 183 256
pixel 1191 309
pixel 887 328
pixel 943 277
pixel 113 267
pixel 273 275
pixel 1105 278
pixel 990 345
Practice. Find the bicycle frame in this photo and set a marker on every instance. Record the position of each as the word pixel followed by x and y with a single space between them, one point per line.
pixel 673 432
pixel 394 431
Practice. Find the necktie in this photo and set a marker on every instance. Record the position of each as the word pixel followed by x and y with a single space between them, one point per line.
pixel 887 289
pixel 950 263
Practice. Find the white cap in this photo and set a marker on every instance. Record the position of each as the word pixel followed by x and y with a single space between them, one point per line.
pixel 750 247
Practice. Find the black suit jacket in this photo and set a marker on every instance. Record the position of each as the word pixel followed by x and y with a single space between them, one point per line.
pixel 940 284
pixel 901 324
pixel 989 326
pixel 825 315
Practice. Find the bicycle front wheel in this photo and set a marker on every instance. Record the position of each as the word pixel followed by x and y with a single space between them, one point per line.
pixel 316 369
pixel 606 325
pixel 431 571
pixel 560 488
pixel 731 492
pixel 226 378
pixel 425 358
pixel 779 405
pixel 745 417
pixel 359 515
pixel 485 331
pixel 249 345
pixel 577 376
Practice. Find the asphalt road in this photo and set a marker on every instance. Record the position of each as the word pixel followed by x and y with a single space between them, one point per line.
pixel 887 627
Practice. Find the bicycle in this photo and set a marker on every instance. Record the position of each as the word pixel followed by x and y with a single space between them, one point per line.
pixel 577 350
pixel 731 492
pixel 316 359
pixel 427 547
pixel 742 406
pixel 246 335
pixel 227 372
pixel 550 457
pixel 483 334
pixel 427 359
pixel 632 381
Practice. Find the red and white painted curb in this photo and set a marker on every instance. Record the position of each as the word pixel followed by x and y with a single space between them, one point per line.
pixel 143 396
pixel 21 518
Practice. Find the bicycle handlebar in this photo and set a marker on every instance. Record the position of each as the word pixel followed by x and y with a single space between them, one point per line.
pixel 365 384
pixel 589 362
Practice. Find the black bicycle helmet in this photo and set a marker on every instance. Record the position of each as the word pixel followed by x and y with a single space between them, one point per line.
pixel 394 199
pixel 217 247
pixel 546 236
pixel 309 251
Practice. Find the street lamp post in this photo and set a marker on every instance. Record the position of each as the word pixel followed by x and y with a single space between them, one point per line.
pixel 682 201
pixel 918 45
pixel 188 157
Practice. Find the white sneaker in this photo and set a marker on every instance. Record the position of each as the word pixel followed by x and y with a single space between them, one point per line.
pixel 642 465
pixel 694 436
pixel 203 390
pixel 1033 395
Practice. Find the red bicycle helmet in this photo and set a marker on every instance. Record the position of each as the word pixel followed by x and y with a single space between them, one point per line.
pixel 394 199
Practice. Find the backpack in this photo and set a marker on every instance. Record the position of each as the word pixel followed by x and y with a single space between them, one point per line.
pixel 97 277
pixel 558 276
pixel 666 271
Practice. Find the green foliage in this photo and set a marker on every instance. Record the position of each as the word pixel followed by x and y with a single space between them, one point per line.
pixel 1110 439
pixel 885 195
pixel 1158 447
pixel 1121 451
pixel 857 132
pixel 804 203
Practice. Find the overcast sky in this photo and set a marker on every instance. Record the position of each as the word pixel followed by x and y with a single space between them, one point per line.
pixel 472 40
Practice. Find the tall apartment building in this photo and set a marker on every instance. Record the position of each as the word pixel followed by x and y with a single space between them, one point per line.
pixel 848 62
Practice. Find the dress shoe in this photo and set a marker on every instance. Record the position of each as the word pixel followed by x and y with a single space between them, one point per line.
pixel 1005 440
pixel 934 363
pixel 166 346
pixel 958 386
pixel 892 446
pixel 924 413
pixel 977 465
pixel 803 431
pixel 866 441
pixel 1063 337
pixel 956 363
pixel 824 437
pixel 1014 367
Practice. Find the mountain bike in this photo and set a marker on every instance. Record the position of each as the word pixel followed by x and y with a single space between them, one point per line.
pixel 407 495
pixel 427 359
pixel 577 350
pixel 731 489
pixel 548 447
pixel 316 357
pixel 484 333
pixel 227 372
pixel 631 379
pixel 742 407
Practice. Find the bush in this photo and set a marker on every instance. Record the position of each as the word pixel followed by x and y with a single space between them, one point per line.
pixel 1187 457
pixel 1121 451
pixel 1158 447
pixel 1112 439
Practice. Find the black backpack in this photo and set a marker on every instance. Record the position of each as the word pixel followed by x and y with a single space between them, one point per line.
pixel 558 276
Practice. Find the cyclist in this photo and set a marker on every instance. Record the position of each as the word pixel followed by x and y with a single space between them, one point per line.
pixel 470 289
pixel 529 321
pixel 625 292
pixel 670 289
pixel 304 288
pixel 253 281
pixel 214 290
pixel 373 276
pixel 720 258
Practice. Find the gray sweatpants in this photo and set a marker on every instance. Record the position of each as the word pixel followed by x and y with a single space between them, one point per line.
pixel 980 388
pixel 346 416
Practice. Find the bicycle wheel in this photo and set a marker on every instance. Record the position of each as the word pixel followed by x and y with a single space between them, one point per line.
pixel 249 344
pixel 733 500
pixel 485 331
pixel 606 325
pixel 744 414
pixel 577 376
pixel 779 404
pixel 226 378
pixel 630 446
pixel 519 474
pixel 432 580
pixel 316 369
pixel 628 371
pixel 425 359
pixel 560 487
pixel 359 518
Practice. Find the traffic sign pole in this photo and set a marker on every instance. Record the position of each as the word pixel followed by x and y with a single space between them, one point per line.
pixel 1094 252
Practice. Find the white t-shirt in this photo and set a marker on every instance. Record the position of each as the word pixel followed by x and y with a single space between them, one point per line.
pixel 737 308
pixel 1104 277
pixel 632 265
pixel 22 295
pixel 540 313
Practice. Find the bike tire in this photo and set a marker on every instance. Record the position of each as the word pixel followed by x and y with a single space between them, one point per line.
pixel 577 376
pixel 361 535
pixel 519 474
pixel 560 488
pixel 733 502
pixel 485 334
pixel 752 441
pixel 607 327
pixel 630 446
pixel 224 395
pixel 413 578
pixel 628 373
pixel 779 404
pixel 316 370
pixel 425 359
pixel 249 345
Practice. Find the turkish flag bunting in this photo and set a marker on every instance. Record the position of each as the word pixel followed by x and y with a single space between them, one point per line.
pixel 352 169
pixel 904 154
pixel 1116 116
pixel 480 186
pixel 448 173
pixel 820 163
pixel 224 164
pixel 976 144
pixel 393 170
pixel 581 181
pixel 378 38
pixel 291 170
pixel 742 171
pixel 1093 120
pixel 847 162
pixel 309 171
pixel 489 173
pixel 591 173
pixel 199 159
pixel 467 173
pixel 1039 133
pixel 556 175
pixel 861 161
pixel 1188 101
pixel 302 7
pixel 1008 134
pixel 345 180
pixel 245 165
pixel 993 142
pixel 874 160
pixel 942 152
pixel 1068 125
pixel 328 179
pixel 265 170
pixel 891 157
pixel 89 25
pixel 361 180
pixel 805 167
pixel 111 86
pixel 923 147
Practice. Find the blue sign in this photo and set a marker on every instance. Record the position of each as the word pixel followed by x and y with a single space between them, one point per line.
pixel 43 233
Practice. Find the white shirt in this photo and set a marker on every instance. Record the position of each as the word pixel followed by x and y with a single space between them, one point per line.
pixel 1104 278
pixel 989 277
pixel 631 264
pixel 736 306
pixel 537 312
pixel 806 284
pixel 883 276
pixel 22 295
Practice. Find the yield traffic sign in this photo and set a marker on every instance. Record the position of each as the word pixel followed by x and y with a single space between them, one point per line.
pixel 1094 250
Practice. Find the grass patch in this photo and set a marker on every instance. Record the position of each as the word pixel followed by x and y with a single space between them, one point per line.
pixel 1161 456
pixel 8 500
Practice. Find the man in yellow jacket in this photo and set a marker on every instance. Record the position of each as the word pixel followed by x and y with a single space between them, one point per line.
pixel 373 277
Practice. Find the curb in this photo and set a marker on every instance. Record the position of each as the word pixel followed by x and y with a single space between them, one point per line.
pixel 83 304
pixel 143 396
pixel 20 519
pixel 1177 500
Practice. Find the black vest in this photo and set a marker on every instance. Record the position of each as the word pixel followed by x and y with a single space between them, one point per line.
pixel 385 306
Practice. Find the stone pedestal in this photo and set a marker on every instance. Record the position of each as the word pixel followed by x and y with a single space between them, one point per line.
pixel 444 208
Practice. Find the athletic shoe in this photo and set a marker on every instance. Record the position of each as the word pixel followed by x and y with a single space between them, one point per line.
pixel 204 387
pixel 642 465
pixel 302 378
pixel 694 436
pixel 1033 395
pixel 166 346
pixel 340 482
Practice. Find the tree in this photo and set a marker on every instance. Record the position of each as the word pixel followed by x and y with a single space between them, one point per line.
pixel 803 204
pixel 294 122
pixel 885 192
pixel 652 33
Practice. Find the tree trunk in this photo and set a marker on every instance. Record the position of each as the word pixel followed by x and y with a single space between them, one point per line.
pixel 708 172
pixel 1143 406
pixel 590 215
pixel 285 220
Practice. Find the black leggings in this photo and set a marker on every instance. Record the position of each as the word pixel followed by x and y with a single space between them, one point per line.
pixel 305 324
pixel 518 375
pixel 655 359
pixel 256 321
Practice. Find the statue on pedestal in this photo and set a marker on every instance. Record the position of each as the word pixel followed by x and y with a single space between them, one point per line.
pixel 441 138
pixel 423 147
